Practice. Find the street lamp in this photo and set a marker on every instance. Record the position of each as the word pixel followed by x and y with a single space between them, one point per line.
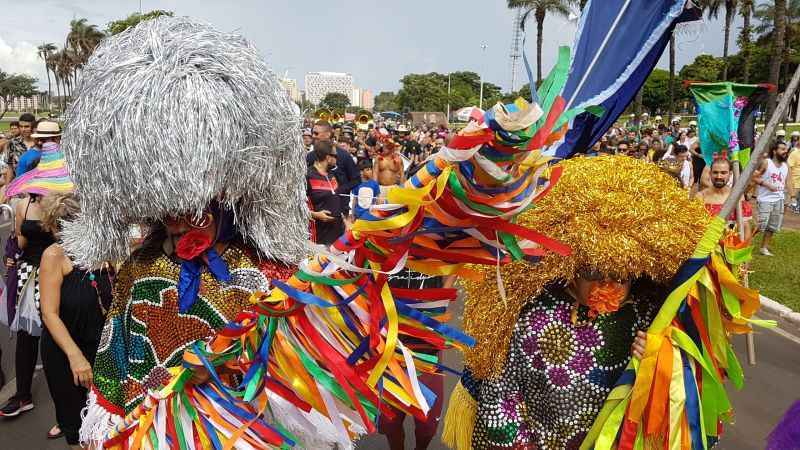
pixel 483 53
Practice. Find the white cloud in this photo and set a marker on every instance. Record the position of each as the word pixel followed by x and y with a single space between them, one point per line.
pixel 22 57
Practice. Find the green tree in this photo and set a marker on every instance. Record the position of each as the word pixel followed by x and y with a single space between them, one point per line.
pixel 778 43
pixel 540 9
pixel 713 7
pixel 428 92
pixel 655 90
pixel 745 39
pixel 703 68
pixel 118 26
pixel 44 51
pixel 17 85
pixel 764 13
pixel 386 101
pixel 82 38
pixel 335 100
pixel 423 92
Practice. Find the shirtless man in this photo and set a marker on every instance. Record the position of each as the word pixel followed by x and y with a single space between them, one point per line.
pixel 388 166
pixel 715 195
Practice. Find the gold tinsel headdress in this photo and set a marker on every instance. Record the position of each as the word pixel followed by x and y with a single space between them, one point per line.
pixel 621 216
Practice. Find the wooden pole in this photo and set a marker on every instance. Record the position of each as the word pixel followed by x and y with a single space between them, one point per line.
pixel 751 343
pixel 763 143
pixel 743 178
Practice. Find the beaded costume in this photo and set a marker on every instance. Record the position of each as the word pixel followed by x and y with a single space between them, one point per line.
pixel 144 334
pixel 545 375
pixel 558 373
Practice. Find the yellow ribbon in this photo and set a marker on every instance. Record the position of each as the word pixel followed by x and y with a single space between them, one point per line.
pixel 391 336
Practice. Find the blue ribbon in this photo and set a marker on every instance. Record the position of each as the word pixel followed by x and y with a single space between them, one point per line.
pixel 189 279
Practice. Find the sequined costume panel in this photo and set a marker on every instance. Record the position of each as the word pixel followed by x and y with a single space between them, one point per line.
pixel 557 374
pixel 145 334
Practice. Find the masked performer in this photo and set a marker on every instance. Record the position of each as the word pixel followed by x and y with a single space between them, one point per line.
pixel 549 354
pixel 220 187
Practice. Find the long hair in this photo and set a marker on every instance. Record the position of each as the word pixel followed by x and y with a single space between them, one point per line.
pixel 56 208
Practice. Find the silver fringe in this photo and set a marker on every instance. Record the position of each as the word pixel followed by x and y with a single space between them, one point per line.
pixel 170 115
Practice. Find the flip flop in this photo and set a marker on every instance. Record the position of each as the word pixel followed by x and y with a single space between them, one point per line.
pixel 53 435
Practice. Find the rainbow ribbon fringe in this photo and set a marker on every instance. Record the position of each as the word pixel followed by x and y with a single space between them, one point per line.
pixel 674 397
pixel 318 359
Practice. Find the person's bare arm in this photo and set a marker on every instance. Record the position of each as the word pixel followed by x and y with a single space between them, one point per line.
pixel 758 173
pixel 705 178
pixel 51 275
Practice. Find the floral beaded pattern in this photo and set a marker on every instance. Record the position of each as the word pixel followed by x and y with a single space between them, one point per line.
pixel 145 333
pixel 557 374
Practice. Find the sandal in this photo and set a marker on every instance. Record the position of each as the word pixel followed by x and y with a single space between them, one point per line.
pixel 55 432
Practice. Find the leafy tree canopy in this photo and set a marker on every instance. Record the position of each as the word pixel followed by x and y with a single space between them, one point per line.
pixel 386 101
pixel 15 85
pixel 118 26
pixel 335 100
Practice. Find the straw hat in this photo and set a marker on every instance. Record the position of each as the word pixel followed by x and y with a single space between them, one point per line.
pixel 46 129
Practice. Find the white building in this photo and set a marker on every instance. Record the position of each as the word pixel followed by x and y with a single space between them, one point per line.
pixel 290 84
pixel 28 104
pixel 367 99
pixel 320 84
pixel 355 99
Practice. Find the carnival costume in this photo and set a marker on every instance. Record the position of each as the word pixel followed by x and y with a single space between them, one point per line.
pixel 552 374
pixel 316 358
pixel 231 154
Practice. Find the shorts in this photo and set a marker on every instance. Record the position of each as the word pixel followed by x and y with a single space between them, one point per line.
pixel 770 216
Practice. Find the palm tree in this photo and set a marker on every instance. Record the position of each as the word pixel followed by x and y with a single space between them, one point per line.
pixel 777 52
pixel 53 68
pixel 64 70
pixel 745 38
pixel 81 40
pixel 44 52
pixel 540 9
pixel 713 7
pixel 764 13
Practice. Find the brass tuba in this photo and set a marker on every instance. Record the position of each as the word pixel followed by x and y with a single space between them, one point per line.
pixel 323 114
pixel 363 119
pixel 336 116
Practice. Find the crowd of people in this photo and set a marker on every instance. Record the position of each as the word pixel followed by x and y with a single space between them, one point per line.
pixel 351 167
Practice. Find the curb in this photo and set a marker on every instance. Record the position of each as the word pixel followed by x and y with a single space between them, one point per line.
pixel 786 317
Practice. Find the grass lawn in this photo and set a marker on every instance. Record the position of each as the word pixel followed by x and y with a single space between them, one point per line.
pixel 778 277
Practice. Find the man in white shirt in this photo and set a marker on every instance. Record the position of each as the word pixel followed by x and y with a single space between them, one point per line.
pixel 772 178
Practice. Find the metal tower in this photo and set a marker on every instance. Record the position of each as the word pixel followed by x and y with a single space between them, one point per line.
pixel 516 48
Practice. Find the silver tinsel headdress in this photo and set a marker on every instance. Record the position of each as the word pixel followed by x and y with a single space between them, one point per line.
pixel 171 115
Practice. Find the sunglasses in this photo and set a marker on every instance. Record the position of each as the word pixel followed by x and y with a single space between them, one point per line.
pixel 199 223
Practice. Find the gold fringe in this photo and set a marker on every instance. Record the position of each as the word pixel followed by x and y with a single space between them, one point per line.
pixel 459 421
pixel 619 215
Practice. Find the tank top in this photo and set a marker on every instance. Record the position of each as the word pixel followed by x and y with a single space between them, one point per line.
pixel 775 176
pixel 37 239
pixel 80 307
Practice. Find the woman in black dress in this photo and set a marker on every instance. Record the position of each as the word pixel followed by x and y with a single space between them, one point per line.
pixel 32 242
pixel 74 303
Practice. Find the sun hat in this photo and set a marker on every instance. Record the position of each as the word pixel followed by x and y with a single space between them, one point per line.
pixel 46 129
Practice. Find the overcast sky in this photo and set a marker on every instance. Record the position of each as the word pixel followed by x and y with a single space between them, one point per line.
pixel 376 41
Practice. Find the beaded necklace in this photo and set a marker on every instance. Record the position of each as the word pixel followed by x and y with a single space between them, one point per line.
pixel 93 281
